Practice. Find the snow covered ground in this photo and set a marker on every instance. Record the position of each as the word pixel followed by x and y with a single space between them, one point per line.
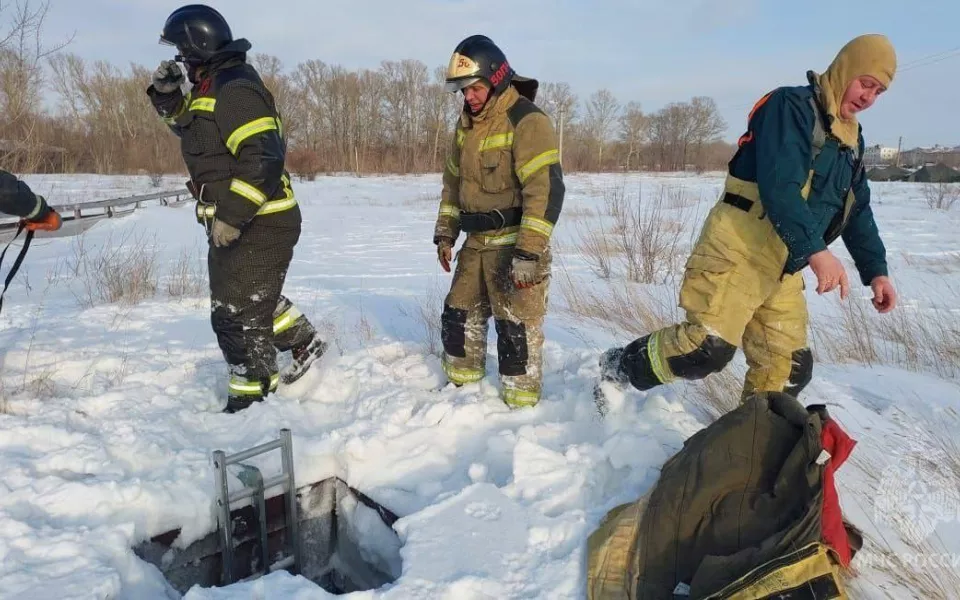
pixel 110 411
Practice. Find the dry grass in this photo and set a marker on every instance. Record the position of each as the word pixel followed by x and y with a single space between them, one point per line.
pixel 363 330
pixel 940 264
pixel 188 277
pixel 907 338
pixel 928 452
pixel 124 272
pixel 579 213
pixel 642 236
pixel 941 196
pixel 620 307
pixel 426 314
pixel 716 395
pixel 423 199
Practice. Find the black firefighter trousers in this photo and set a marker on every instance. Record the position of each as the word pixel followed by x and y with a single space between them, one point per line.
pixel 250 316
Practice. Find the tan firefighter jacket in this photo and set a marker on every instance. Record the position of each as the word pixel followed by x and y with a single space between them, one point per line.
pixel 502 184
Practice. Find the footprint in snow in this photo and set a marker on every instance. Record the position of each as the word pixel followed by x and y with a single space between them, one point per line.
pixel 483 511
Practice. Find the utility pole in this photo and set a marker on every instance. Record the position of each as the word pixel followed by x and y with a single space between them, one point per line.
pixel 561 132
pixel 899 146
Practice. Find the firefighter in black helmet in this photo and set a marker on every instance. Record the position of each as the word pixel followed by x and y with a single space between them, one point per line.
pixel 232 143
pixel 503 187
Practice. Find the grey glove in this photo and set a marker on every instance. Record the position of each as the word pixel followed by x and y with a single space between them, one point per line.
pixel 223 234
pixel 168 77
pixel 524 270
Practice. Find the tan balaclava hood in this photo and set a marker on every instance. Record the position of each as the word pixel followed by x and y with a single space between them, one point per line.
pixel 870 54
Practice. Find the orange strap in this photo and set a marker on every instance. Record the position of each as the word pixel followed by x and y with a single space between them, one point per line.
pixel 748 136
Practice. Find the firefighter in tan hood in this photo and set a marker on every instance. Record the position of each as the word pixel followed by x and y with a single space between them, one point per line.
pixel 795 185
pixel 503 187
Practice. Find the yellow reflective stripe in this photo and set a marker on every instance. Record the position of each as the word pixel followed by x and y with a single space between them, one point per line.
pixel 660 367
pixel 172 119
pixel 275 206
pixel 452 167
pixel 536 163
pixel 249 192
pixel 205 104
pixel 520 398
pixel 544 228
pixel 286 320
pixel 449 210
pixel 183 108
pixel 501 140
pixel 250 129
pixel 241 386
pixel 287 190
pixel 461 136
pixel 461 376
pixel 505 239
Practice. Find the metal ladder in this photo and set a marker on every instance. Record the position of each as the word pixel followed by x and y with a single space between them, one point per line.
pixel 255 486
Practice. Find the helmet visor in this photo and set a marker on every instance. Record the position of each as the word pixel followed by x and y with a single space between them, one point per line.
pixel 458 84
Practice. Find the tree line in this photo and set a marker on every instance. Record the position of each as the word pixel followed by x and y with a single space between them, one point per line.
pixel 393 119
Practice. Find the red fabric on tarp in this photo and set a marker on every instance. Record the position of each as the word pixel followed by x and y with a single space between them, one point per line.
pixel 835 441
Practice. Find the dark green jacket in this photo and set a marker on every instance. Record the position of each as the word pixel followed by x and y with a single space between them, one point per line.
pixel 777 153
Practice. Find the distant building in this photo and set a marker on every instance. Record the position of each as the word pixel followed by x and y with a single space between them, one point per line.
pixel 918 157
pixel 936 173
pixel 879 155
pixel 889 173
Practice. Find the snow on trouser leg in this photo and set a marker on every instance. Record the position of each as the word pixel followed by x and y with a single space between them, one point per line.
pixel 775 342
pixel 291 328
pixel 519 349
pixel 464 322
pixel 518 315
pixel 247 346
pixel 683 351
pixel 245 283
pixel 721 293
pixel 293 331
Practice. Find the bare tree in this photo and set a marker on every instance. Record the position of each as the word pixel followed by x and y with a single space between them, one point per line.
pixel 633 130
pixel 706 124
pixel 22 54
pixel 602 112
pixel 395 118
pixel 280 85
pixel 444 108
pixel 559 101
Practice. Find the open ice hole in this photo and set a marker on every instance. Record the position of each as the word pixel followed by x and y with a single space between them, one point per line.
pixel 347 539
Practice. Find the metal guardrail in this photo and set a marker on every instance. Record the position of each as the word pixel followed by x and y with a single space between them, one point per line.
pixel 80 216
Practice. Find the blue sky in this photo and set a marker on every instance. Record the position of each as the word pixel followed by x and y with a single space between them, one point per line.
pixel 653 52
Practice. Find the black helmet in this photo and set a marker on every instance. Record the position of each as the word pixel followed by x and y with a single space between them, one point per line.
pixel 476 58
pixel 197 31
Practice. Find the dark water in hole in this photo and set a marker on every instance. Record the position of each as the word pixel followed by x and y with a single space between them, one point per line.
pixel 347 540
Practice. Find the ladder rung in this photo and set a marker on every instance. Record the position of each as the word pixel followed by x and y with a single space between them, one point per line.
pixel 247 492
pixel 283 563
pixel 261 449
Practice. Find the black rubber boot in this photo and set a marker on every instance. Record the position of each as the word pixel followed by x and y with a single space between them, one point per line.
pixel 304 355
